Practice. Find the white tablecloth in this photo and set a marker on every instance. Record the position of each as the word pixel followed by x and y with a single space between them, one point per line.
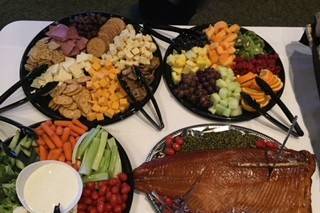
pixel 138 137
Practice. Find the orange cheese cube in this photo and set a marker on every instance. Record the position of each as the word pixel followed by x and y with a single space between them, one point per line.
pixel 109 113
pixel 124 102
pixel 103 101
pixel 103 82
pixel 96 66
pixel 96 108
pixel 91 116
pixel 115 105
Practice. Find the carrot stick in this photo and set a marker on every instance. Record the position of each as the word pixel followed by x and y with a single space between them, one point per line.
pixel 43 153
pixel 62 123
pixel 48 141
pixel 62 158
pixel 54 154
pixel 57 141
pixel 79 124
pixel 53 127
pixel 77 129
pixel 45 126
pixel 40 141
pixel 65 134
pixel 74 134
pixel 67 148
pixel 59 130
pixel 39 131
pixel 73 141
pixel 49 122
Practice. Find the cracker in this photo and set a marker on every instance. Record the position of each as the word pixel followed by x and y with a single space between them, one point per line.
pixel 96 46
pixel 62 100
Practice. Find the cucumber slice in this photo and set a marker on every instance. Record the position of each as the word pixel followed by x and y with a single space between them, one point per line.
pixel 25 151
pixel 215 98
pixel 27 143
pixel 220 109
pixel 233 103
pixel 223 93
pixel 19 164
pixel 14 140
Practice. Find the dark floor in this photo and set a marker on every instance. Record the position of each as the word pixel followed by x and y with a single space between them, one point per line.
pixel 245 12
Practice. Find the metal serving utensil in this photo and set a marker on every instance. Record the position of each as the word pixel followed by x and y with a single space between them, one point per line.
pixel 294 121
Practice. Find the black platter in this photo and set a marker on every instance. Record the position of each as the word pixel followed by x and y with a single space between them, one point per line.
pixel 204 112
pixel 42 102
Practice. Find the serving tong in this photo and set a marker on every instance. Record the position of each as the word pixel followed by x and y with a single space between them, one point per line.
pixel 297 132
pixel 24 131
pixel 179 42
pixel 136 103
pixel 34 94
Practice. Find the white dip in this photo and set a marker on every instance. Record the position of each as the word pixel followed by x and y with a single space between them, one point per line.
pixel 49 185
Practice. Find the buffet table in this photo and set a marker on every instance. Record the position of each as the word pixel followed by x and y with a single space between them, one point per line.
pixel 138 137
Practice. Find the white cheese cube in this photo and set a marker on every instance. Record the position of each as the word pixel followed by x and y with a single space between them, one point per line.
pixel 135 51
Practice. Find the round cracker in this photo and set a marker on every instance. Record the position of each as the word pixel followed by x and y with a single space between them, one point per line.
pixel 96 46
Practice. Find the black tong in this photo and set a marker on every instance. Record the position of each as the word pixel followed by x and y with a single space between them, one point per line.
pixel 186 39
pixel 268 90
pixel 34 94
pixel 138 105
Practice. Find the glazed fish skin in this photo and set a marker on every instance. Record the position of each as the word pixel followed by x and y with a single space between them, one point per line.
pixel 232 180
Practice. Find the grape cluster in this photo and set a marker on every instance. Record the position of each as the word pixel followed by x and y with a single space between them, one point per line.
pixel 186 41
pixel 255 65
pixel 88 25
pixel 197 88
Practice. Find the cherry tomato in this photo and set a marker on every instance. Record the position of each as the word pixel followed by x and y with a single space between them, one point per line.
pixel 113 181
pixel 90 185
pixel 119 200
pixel 107 207
pixel 88 201
pixel 81 211
pixel 176 147
pixel 117 208
pixel 82 206
pixel 125 188
pixel 123 177
pixel 101 199
pixel 94 195
pixel 115 189
pixel 124 197
pixel 103 189
pixel 179 140
pixel 169 141
pixel 108 196
pixel 271 145
pixel 113 199
pixel 93 210
pixel 123 206
pixel 87 192
pixel 169 151
pixel 100 207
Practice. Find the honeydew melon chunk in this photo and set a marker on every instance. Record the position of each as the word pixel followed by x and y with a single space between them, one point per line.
pixel 223 93
pixel 236 112
pixel 224 102
pixel 220 109
pixel 233 103
pixel 221 83
pixel 215 98
pixel 226 112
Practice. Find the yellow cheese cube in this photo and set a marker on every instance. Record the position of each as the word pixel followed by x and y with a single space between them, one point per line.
pixel 123 102
pixel 102 101
pixel 100 116
pixel 109 113
pixel 96 66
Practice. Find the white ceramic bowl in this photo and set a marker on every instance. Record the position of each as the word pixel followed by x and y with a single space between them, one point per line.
pixel 30 169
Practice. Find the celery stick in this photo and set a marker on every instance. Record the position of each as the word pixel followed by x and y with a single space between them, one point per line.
pixel 102 145
pixel 14 140
pixel 105 166
pixel 96 177
pixel 86 164
pixel 86 141
pixel 117 169
pixel 115 161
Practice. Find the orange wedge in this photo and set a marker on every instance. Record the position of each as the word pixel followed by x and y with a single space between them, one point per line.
pixel 259 99
pixel 247 77
pixel 266 75
pixel 265 102
pixel 276 89
pixel 252 92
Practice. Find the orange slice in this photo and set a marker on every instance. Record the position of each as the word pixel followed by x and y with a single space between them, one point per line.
pixel 247 77
pixel 265 102
pixel 252 92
